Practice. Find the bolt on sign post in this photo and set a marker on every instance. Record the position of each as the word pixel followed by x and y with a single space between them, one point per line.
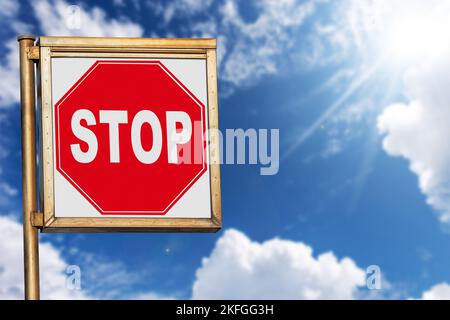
pixel 127 136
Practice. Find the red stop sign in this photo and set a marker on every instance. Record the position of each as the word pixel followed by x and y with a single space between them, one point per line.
pixel 130 137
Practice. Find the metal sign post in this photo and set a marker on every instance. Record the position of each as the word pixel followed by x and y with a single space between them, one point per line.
pixel 30 233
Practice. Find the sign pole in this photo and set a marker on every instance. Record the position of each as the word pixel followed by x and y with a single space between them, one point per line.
pixel 28 113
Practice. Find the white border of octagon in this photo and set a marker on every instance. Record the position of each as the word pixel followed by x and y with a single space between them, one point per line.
pixel 67 176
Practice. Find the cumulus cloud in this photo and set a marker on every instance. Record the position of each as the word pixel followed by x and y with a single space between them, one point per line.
pixel 439 291
pixel 55 19
pixel 239 268
pixel 52 265
pixel 418 130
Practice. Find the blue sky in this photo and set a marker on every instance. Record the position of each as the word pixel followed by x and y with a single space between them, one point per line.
pixel 362 108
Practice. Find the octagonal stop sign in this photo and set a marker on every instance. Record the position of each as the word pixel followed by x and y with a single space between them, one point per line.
pixel 130 137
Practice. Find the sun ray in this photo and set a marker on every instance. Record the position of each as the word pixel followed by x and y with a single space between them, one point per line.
pixel 351 89
pixel 370 148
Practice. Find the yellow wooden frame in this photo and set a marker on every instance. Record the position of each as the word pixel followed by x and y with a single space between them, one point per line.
pixel 48 47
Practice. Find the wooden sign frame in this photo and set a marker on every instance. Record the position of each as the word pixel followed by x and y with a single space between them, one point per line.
pixel 49 47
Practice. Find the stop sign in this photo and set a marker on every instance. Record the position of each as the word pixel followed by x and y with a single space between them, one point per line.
pixel 130 137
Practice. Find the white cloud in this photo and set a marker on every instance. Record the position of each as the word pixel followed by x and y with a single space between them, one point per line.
pixel 9 73
pixel 103 278
pixel 9 8
pixel 52 265
pixel 8 190
pixel 9 68
pixel 259 43
pixel 8 193
pixel 418 130
pixel 54 19
pixel 119 3
pixel 248 49
pixel 439 291
pixel 151 296
pixel 359 28
pixel 333 147
pixel 239 268
pixel 179 8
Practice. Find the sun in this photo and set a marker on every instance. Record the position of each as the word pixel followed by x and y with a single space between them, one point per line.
pixel 417 36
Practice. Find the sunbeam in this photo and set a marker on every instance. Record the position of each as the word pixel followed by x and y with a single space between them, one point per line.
pixel 351 89
pixel 370 148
